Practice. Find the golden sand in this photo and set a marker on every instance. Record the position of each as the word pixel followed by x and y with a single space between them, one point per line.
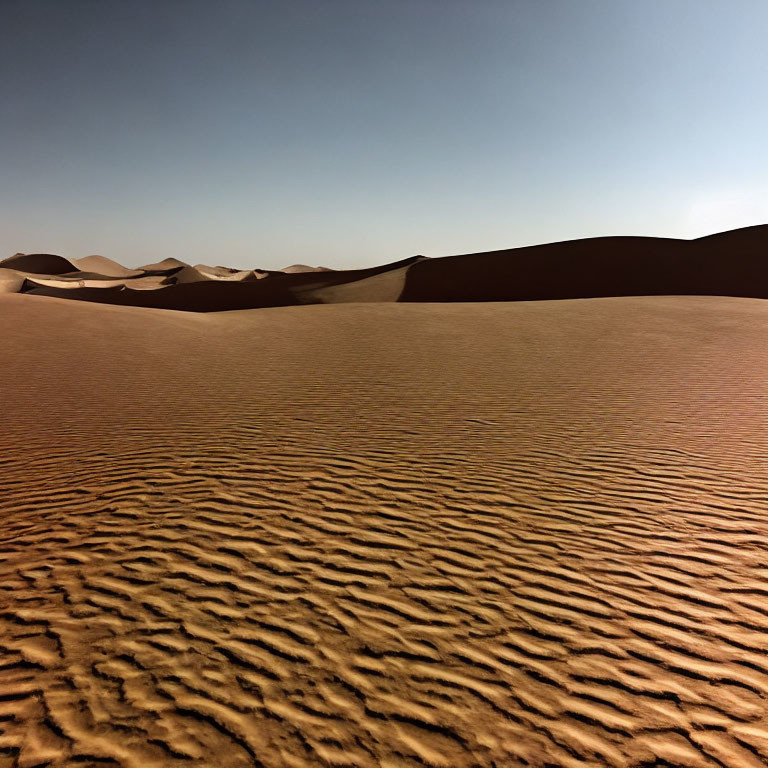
pixel 510 534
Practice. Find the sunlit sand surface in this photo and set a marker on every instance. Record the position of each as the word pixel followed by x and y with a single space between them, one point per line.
pixel 501 534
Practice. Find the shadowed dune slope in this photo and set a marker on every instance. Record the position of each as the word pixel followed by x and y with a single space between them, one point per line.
pixel 494 535
pixel 187 275
pixel 39 264
pixel 384 286
pixel 729 264
pixel 201 296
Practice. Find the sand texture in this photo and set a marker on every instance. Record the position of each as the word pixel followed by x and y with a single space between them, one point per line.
pixel 384 534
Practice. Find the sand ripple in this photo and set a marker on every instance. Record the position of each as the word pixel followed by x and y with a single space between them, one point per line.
pixel 385 535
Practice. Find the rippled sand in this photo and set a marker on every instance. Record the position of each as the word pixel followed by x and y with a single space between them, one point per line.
pixel 529 534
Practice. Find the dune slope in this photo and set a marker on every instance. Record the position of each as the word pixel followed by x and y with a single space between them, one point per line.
pixel 39 263
pixel 727 264
pixel 103 266
pixel 389 535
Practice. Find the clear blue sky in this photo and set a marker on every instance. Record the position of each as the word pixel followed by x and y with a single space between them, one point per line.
pixel 354 132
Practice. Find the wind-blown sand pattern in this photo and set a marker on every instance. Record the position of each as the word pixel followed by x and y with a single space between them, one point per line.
pixel 500 534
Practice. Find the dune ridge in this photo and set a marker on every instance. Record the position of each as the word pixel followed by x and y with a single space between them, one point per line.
pixel 726 264
pixel 38 263
pixel 103 266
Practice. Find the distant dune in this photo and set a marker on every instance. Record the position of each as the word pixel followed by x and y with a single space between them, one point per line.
pixel 103 266
pixel 728 264
pixel 222 273
pixel 39 264
pixel 186 288
pixel 294 268
pixel 165 264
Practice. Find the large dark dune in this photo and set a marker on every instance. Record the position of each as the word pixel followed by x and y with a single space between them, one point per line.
pixel 729 264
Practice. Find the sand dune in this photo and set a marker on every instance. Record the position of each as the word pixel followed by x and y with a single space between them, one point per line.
pixel 72 282
pixel 727 264
pixel 186 274
pixel 201 274
pixel 104 266
pixel 186 289
pixel 257 274
pixel 146 283
pixel 296 268
pixel 38 263
pixel 218 271
pixel 387 534
pixel 383 286
pixel 164 265
pixel 222 273
pixel 11 281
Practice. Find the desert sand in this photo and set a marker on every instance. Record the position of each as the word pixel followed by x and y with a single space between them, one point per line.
pixel 384 533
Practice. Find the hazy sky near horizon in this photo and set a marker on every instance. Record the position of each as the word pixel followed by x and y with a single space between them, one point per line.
pixel 354 132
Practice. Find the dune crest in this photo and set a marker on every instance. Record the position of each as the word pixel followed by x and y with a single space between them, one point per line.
pixel 164 265
pixel 297 268
pixel 104 266
pixel 39 263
